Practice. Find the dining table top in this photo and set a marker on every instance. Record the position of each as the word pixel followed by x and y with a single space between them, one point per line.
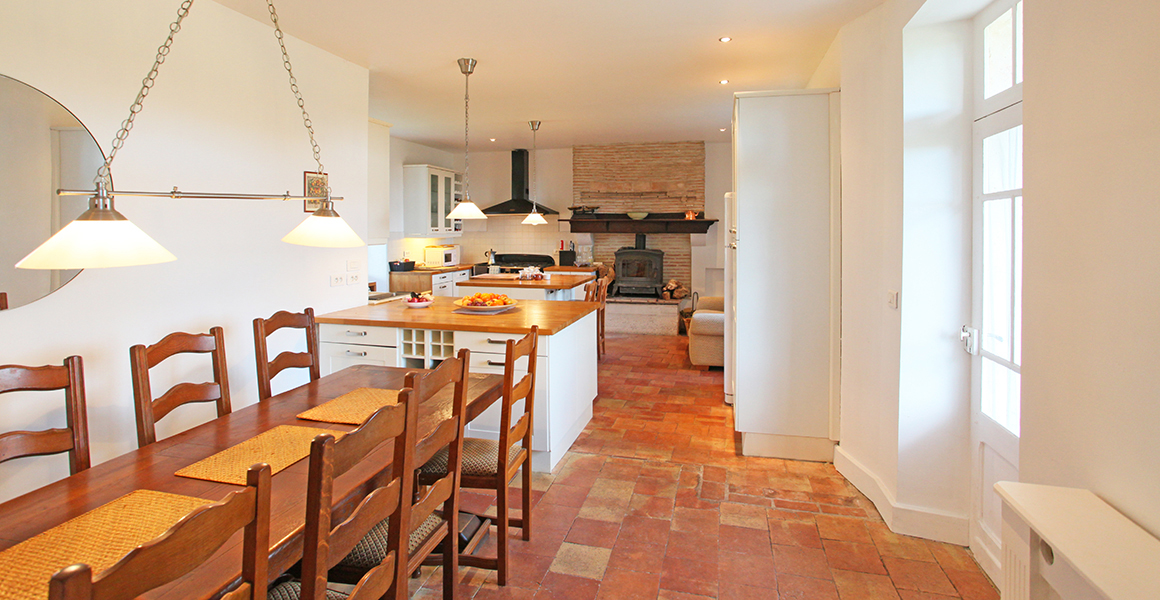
pixel 153 468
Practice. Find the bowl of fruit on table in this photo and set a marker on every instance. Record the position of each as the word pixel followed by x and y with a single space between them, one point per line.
pixel 419 300
pixel 485 302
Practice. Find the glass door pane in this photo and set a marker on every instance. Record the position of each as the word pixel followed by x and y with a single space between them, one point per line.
pixel 434 202
pixel 447 202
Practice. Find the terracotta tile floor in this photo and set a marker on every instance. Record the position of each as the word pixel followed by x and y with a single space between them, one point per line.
pixel 654 501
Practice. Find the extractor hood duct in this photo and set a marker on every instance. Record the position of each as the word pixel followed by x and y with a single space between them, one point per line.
pixel 519 204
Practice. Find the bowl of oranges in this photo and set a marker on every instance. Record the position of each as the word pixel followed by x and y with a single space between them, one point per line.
pixel 485 302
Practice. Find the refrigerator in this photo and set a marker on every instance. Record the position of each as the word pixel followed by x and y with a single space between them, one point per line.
pixel 783 274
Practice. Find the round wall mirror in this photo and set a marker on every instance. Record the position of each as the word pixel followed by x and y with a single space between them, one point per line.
pixel 44 148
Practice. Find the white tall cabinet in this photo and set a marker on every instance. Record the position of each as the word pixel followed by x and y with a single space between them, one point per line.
pixel 430 193
pixel 783 273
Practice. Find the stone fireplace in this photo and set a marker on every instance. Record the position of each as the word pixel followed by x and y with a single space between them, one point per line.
pixel 639 270
pixel 654 178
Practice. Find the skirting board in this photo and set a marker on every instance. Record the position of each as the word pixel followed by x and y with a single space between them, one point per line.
pixel 902 518
pixel 787 446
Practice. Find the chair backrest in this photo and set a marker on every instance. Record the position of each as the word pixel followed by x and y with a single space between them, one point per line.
pixel 513 392
pixel 267 369
pixel 74 437
pixel 3 300
pixel 184 547
pixel 448 432
pixel 142 358
pixel 592 290
pixel 602 293
pixel 325 544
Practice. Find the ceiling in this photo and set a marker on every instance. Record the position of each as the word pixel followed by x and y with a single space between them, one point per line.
pixel 594 72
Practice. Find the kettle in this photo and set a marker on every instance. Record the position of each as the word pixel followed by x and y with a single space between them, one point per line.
pixel 490 257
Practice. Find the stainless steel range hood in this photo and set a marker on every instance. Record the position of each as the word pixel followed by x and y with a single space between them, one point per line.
pixel 519 204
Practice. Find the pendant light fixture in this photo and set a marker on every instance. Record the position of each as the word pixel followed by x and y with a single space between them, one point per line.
pixel 466 209
pixel 534 217
pixel 102 237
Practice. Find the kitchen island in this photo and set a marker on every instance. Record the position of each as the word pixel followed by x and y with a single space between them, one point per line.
pixel 391 334
pixel 561 286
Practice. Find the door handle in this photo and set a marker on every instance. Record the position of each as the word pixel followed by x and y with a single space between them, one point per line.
pixel 491 341
pixel 492 363
pixel 356 333
pixel 969 336
pixel 353 353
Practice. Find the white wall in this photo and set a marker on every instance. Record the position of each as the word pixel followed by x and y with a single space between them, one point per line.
pixel 1091 389
pixel 934 373
pixel 221 119
pixel 871 249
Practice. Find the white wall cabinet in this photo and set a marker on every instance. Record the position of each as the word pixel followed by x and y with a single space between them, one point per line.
pixel 429 195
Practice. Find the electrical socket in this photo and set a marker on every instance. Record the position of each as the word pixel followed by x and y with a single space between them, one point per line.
pixel 406 254
pixel 353 265
pixel 337 279
pixel 353 278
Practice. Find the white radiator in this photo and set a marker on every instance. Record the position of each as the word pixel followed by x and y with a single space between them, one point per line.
pixel 1067 544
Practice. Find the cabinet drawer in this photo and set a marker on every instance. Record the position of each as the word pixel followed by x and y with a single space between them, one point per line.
pixel 443 289
pixel 463 275
pixel 441 278
pixel 493 343
pixel 357 334
pixel 336 357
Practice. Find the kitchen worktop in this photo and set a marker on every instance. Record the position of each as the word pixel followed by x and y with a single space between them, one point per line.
pixel 437 270
pixel 552 317
pixel 558 281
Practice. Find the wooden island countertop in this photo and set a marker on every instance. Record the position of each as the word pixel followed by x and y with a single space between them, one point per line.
pixel 558 281
pixel 443 314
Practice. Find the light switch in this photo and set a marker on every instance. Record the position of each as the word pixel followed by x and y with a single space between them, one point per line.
pixel 893 298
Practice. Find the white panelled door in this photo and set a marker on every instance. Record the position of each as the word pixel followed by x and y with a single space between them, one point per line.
pixel 996 340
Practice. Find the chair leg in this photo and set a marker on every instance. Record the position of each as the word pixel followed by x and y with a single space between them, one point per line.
pixel 527 499
pixel 451 549
pixel 501 522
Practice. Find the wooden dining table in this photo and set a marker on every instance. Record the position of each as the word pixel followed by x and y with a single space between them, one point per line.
pixel 153 467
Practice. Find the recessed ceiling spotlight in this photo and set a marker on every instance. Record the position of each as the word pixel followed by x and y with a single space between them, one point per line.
pixel 724 128
pixel 724 39
pixel 493 139
pixel 724 81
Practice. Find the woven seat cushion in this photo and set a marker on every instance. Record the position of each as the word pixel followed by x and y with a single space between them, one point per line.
pixel 292 590
pixel 480 457
pixel 371 550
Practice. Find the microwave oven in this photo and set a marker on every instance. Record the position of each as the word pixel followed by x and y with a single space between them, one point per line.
pixel 441 256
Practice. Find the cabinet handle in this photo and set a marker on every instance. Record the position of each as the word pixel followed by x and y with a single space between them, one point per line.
pixel 491 341
pixel 492 363
pixel 353 353
pixel 356 333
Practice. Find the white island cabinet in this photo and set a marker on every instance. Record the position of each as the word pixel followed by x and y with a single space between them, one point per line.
pixel 394 335
pixel 558 286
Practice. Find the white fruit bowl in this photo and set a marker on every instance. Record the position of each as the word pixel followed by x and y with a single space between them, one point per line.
pixel 419 304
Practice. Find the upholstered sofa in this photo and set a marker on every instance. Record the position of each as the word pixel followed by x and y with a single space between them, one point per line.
pixel 707 332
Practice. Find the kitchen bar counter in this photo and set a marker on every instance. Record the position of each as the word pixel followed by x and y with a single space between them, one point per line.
pixel 393 335
pixel 561 286
pixel 552 317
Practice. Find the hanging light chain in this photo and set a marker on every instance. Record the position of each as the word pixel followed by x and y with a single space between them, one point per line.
pixel 294 86
pixel 103 173
pixel 466 131
pixel 535 127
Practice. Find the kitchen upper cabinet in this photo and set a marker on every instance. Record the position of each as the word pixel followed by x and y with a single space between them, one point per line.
pixel 429 195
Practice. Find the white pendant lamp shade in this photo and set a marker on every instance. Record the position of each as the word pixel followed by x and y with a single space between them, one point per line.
pixel 534 218
pixel 324 229
pixel 466 210
pixel 89 244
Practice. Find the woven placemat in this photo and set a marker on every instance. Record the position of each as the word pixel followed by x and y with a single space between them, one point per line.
pixel 98 538
pixel 279 447
pixel 352 408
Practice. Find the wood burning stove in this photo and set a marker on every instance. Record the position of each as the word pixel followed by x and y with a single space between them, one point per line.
pixel 639 270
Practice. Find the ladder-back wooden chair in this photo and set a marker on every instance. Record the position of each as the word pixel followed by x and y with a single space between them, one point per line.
pixel 142 358
pixel 427 527
pixel 267 369
pixel 492 465
pixel 74 437
pixel 184 547
pixel 332 532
